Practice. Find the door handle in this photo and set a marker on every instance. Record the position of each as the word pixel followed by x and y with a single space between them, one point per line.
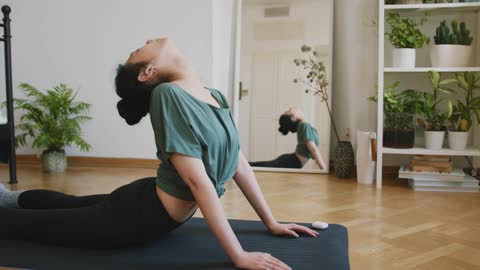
pixel 240 87
pixel 241 92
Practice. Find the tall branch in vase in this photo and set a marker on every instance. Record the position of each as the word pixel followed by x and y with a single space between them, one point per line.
pixel 316 78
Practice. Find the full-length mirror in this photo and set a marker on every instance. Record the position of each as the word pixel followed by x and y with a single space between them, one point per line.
pixel 283 127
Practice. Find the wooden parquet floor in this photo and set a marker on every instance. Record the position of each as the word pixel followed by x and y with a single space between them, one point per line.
pixel 394 228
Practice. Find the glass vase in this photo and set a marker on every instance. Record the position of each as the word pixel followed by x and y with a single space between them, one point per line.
pixel 398 130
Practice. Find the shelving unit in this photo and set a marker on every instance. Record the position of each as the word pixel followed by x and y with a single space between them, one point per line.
pixel 405 10
pixel 451 7
pixel 418 150
pixel 472 6
pixel 427 69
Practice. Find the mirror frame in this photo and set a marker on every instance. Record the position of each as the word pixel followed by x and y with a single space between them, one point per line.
pixel 236 83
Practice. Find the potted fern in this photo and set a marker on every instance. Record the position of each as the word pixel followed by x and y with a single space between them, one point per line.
pixel 405 36
pixel 461 119
pixel 434 120
pixel 52 120
pixel 451 49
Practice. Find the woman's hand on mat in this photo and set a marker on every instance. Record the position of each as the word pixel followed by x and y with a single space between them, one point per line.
pixel 259 261
pixel 291 230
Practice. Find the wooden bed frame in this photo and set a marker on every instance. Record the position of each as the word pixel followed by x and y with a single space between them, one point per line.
pixel 9 127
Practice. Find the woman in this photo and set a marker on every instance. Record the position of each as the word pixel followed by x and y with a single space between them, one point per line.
pixel 197 144
pixel 293 121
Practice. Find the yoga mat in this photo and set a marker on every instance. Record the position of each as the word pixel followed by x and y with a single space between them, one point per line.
pixel 192 246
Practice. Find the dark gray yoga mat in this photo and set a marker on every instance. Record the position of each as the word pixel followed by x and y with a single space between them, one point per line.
pixel 192 246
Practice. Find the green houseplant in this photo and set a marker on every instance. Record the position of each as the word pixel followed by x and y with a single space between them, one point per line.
pixel 317 83
pixel 399 115
pixel 434 119
pixel 464 112
pixel 52 120
pixel 451 49
pixel 405 36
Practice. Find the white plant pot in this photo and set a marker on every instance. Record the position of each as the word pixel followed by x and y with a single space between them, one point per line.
pixel 3 118
pixel 403 58
pixel 434 139
pixel 364 157
pixel 457 140
pixel 449 55
pixel 54 161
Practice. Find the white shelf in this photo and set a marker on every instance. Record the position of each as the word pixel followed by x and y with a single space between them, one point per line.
pixel 427 69
pixel 454 7
pixel 439 10
pixel 472 151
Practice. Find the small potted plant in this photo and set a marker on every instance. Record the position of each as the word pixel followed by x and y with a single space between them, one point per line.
pixel 405 36
pixel 52 120
pixel 434 120
pixel 461 119
pixel 451 49
pixel 399 116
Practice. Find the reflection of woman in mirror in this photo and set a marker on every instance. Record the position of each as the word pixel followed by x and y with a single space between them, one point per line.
pixel 307 143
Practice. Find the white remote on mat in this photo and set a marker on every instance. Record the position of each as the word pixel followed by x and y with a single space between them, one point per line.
pixel 320 225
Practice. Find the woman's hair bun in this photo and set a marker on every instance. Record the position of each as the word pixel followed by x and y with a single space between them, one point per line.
pixel 130 111
pixel 135 95
pixel 287 124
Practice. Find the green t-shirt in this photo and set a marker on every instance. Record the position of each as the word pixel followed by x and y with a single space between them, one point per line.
pixel 305 133
pixel 186 125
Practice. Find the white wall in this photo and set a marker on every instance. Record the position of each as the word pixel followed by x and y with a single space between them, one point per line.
pixel 354 65
pixel 223 23
pixel 81 43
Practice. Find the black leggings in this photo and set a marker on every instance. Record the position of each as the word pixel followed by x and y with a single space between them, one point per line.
pixel 132 214
pixel 290 161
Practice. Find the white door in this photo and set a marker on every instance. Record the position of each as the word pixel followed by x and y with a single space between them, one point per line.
pixel 272 92
pixel 262 91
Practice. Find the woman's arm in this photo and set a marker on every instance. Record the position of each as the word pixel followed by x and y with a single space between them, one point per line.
pixel 194 174
pixel 247 182
pixel 313 149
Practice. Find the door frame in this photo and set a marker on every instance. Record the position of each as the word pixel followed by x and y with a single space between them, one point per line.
pixel 236 60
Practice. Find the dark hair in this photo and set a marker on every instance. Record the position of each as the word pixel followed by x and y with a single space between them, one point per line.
pixel 287 124
pixel 135 95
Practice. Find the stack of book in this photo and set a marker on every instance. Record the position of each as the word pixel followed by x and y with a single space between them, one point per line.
pixel 422 163
pixel 436 173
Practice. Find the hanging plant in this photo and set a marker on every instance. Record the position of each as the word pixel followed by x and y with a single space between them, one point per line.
pixel 316 78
